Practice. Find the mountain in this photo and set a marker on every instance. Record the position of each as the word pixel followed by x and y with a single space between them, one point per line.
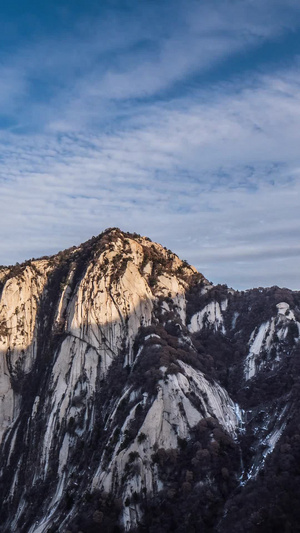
pixel 137 396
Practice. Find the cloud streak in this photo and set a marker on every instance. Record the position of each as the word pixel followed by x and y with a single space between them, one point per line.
pixel 211 170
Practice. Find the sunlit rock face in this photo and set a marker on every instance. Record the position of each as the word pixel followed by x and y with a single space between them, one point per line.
pixel 19 305
pixel 128 380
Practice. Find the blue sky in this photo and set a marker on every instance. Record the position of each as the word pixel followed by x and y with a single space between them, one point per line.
pixel 179 120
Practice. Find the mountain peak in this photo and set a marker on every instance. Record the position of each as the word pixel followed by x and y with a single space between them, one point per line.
pixel 140 383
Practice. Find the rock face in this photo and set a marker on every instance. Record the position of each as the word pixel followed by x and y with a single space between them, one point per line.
pixel 133 392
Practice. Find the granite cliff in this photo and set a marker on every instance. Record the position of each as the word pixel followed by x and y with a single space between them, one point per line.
pixel 137 396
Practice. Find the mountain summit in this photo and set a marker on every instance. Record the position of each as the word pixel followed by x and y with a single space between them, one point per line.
pixel 137 396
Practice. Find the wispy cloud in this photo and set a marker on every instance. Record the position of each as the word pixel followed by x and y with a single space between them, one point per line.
pixel 71 76
pixel 109 127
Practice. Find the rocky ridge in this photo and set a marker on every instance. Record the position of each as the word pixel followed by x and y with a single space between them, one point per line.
pixel 130 386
